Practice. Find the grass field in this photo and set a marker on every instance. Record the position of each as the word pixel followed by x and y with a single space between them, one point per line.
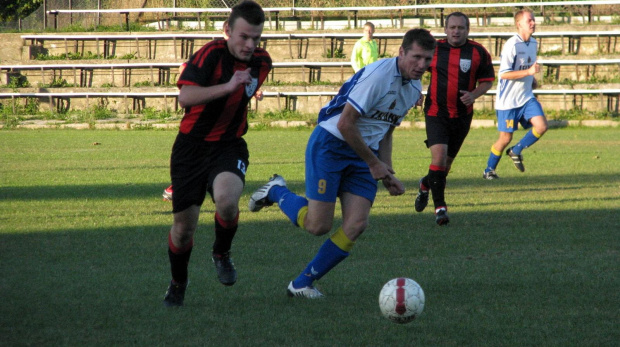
pixel 531 259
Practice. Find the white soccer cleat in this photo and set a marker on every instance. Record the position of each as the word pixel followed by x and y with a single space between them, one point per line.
pixel 305 292
pixel 167 195
pixel 258 200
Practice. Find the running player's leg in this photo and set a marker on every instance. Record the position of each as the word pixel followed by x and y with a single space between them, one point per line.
pixel 438 137
pixel 506 124
pixel 533 114
pixel 437 174
pixel 355 210
pixel 227 189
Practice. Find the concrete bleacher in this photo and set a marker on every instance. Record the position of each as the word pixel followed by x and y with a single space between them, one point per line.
pixel 60 101
pixel 165 74
pixel 293 45
pixel 135 102
pixel 131 85
pixel 481 12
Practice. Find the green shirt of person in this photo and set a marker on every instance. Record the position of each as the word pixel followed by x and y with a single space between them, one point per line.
pixel 365 50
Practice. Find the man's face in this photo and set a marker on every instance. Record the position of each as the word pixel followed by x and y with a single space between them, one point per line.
pixel 368 32
pixel 243 38
pixel 527 23
pixel 413 63
pixel 456 31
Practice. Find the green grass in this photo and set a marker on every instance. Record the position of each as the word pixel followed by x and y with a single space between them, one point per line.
pixel 528 260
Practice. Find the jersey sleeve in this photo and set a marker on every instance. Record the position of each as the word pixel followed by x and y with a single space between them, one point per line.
pixel 368 89
pixel 200 67
pixel 507 57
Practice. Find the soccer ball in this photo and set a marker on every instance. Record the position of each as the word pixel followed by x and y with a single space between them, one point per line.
pixel 401 300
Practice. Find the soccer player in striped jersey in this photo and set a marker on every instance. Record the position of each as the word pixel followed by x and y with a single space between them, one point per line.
pixel 461 72
pixel 167 195
pixel 515 102
pixel 209 153
pixel 347 153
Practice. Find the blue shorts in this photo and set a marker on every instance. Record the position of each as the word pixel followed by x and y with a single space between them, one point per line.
pixel 508 120
pixel 333 167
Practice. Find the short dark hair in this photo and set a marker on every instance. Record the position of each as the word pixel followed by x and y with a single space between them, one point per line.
pixel 422 37
pixel 457 14
pixel 249 10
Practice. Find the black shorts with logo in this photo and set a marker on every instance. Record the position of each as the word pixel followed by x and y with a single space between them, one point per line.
pixel 447 131
pixel 194 164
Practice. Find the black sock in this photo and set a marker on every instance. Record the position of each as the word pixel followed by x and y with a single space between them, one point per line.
pixel 178 265
pixel 224 234
pixel 425 183
pixel 437 182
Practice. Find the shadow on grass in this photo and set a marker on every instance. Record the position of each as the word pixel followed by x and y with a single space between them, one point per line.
pixel 488 271
pixel 509 184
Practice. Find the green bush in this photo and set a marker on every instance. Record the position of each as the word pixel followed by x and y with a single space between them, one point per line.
pixel 57 83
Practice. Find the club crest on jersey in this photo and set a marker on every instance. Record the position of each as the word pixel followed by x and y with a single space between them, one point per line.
pixel 465 64
pixel 250 89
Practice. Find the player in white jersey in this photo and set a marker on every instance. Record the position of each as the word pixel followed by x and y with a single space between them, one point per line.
pixel 380 95
pixel 515 102
pixel 348 152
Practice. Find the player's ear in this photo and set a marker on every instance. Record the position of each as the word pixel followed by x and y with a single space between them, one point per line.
pixel 227 29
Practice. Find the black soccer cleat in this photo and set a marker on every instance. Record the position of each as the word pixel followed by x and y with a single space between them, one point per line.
pixel 441 216
pixel 422 199
pixel 225 268
pixel 490 175
pixel 517 159
pixel 175 294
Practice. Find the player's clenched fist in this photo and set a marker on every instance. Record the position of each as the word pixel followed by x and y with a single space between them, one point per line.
pixel 240 77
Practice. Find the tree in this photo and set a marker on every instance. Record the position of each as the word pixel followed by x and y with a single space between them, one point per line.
pixel 16 9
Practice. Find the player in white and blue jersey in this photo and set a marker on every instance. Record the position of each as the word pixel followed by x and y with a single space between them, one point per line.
pixel 348 152
pixel 515 102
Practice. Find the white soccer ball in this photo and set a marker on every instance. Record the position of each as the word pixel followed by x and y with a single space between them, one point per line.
pixel 401 300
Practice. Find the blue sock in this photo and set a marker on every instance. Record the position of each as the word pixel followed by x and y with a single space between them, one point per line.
pixel 276 192
pixel 529 139
pixel 328 256
pixel 289 202
pixel 494 158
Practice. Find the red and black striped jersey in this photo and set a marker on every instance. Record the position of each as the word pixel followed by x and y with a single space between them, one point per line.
pixel 224 118
pixel 454 69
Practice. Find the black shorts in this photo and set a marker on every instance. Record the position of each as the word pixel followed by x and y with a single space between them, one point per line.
pixel 194 164
pixel 447 131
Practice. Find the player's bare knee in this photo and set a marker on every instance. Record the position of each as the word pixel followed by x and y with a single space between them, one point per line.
pixel 541 129
pixel 228 212
pixel 182 233
pixel 318 229
pixel 356 229
pixel 225 202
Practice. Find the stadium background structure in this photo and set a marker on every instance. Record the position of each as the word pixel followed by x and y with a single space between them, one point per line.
pixel 146 78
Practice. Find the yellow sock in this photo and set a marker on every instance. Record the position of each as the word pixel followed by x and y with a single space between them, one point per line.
pixel 342 241
pixel 536 134
pixel 496 152
pixel 301 216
